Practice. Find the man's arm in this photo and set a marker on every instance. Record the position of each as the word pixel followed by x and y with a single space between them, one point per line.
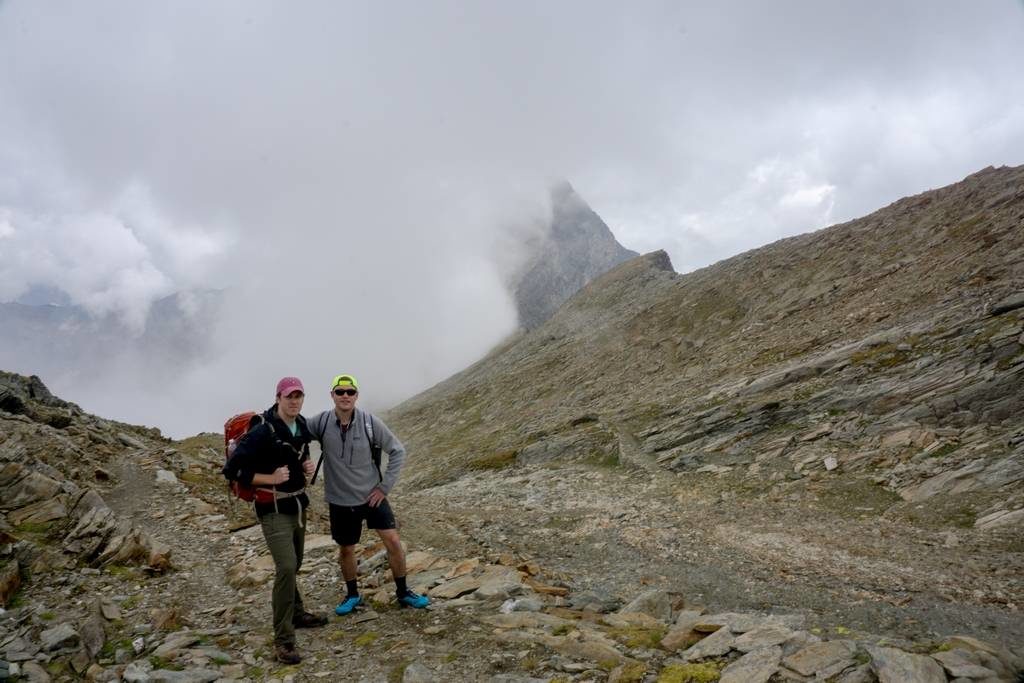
pixel 396 455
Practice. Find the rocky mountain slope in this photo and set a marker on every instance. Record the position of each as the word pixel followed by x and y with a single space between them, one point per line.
pixel 799 464
pixel 890 345
pixel 123 560
pixel 842 407
pixel 577 247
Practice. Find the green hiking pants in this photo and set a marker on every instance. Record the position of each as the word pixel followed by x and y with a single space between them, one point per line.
pixel 285 538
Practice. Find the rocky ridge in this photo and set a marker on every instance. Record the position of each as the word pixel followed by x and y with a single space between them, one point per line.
pixel 577 247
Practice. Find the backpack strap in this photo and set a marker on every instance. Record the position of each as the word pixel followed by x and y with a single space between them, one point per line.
pixel 375 447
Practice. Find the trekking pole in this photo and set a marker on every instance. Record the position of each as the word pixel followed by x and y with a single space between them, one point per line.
pixel 317 470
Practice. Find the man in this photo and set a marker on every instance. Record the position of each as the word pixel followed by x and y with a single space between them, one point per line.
pixel 273 456
pixel 356 490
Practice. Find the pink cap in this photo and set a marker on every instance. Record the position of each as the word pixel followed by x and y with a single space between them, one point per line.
pixel 289 384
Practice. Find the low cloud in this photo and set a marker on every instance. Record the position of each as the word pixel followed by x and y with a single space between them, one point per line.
pixel 359 178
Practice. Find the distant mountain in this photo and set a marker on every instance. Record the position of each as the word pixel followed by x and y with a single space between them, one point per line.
pixel 66 341
pixel 578 247
pixel 890 347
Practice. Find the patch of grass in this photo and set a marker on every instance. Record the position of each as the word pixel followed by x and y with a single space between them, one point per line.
pixel 18 599
pixel 847 493
pixel 450 657
pixel 58 669
pixel 397 672
pixel 561 629
pixel 881 356
pixel 639 636
pixel 632 672
pixel 120 571
pixel 963 517
pixel 607 664
pixel 193 477
pixel 366 639
pixel 705 672
pixel 562 522
pixel 47 616
pixel 33 527
pixel 110 647
pixel 161 663
pixel 529 663
pixel 494 461
pixel 256 673
pixel 221 661
pixel 604 459
pixel 943 450
pixel 131 602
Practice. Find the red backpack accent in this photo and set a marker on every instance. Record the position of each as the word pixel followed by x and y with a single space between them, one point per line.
pixel 234 429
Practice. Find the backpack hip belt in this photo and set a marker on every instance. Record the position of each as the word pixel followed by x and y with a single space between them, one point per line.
pixel 279 495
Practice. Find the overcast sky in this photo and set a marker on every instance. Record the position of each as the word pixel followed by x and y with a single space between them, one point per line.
pixel 352 172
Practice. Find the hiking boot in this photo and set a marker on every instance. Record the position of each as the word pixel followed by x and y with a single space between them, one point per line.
pixel 309 620
pixel 348 604
pixel 287 654
pixel 411 599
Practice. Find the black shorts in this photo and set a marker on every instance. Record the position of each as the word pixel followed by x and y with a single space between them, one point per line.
pixel 347 521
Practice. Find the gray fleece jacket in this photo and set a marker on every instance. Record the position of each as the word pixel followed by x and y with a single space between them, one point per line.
pixel 349 472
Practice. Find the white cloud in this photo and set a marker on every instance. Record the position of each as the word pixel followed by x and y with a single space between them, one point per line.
pixel 112 260
pixel 357 173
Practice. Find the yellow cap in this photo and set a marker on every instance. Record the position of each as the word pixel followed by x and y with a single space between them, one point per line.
pixel 344 381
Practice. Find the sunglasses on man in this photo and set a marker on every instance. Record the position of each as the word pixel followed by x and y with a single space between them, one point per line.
pixel 345 392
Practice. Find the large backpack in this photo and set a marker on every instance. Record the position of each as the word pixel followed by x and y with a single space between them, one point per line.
pixel 234 429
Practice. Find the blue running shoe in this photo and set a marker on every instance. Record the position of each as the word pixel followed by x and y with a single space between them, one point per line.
pixel 411 599
pixel 348 604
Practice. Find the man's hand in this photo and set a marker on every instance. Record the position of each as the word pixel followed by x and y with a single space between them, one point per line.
pixel 376 496
pixel 308 466
pixel 280 475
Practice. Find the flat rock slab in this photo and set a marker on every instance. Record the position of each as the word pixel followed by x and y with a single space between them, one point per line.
pixel 175 642
pixel 60 636
pixel 418 673
pixel 591 650
pixel 186 676
pixel 631 619
pixel 896 666
pixel 456 587
pixel 1000 518
pixel 756 666
pixel 822 657
pixel 41 512
pixel 520 620
pixel 166 477
pixel 420 561
pixel 762 637
pixel 654 603
pixel 500 582
pixel 110 610
pixel 715 645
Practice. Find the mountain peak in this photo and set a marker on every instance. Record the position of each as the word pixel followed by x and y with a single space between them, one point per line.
pixel 578 247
